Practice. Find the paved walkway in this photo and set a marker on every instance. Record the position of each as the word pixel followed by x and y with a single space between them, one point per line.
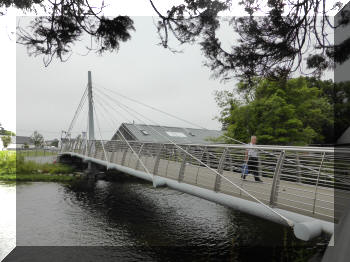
pixel 292 196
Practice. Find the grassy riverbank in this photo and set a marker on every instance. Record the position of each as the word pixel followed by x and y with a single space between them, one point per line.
pixel 37 178
pixel 14 168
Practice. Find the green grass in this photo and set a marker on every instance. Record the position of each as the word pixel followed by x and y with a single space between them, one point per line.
pixel 14 168
pixel 7 162
pixel 30 167
pixel 37 178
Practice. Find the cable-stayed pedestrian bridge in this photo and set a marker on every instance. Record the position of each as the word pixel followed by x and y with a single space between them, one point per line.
pixel 298 186
pixel 305 188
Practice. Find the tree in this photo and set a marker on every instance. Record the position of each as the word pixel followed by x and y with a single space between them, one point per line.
pixel 341 108
pixel 272 45
pixel 338 95
pixel 6 140
pixel 280 112
pixel 5 132
pixel 37 138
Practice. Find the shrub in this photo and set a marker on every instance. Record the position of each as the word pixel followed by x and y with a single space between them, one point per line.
pixel 7 162
pixel 10 163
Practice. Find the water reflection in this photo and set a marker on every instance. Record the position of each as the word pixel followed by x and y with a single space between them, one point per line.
pixel 151 222
pixel 7 218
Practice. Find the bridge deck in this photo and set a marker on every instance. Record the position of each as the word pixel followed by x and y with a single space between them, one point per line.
pixel 292 196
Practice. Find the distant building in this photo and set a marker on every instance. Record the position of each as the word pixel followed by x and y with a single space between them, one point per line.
pixel 344 139
pixel 19 142
pixel 162 134
pixel 52 143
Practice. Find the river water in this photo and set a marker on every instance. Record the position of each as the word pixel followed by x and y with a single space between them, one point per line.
pixel 151 222
pixel 7 218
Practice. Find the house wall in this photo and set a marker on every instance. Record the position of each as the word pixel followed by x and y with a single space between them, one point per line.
pixel 14 146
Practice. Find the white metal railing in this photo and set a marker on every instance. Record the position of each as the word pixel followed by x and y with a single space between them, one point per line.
pixel 300 179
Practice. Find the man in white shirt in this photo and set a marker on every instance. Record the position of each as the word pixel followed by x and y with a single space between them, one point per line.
pixel 251 157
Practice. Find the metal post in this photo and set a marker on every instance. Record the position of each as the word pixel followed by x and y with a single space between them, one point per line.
pixel 95 147
pixel 91 109
pixel 131 152
pixel 81 147
pixel 276 179
pixel 298 168
pixel 124 156
pixel 208 158
pixel 71 143
pixel 156 163
pixel 88 147
pixel 199 165
pixel 83 144
pixel 112 156
pixel 168 158
pixel 318 179
pixel 139 156
pixel 231 163
pixel 183 165
pixel 220 170
pixel 74 146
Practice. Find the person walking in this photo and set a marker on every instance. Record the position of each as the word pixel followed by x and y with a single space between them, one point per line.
pixel 252 160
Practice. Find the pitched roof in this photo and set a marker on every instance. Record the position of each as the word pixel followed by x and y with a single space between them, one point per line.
pixel 162 134
pixel 22 140
pixel 345 137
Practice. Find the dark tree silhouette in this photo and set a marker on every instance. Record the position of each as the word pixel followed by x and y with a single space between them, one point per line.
pixel 272 45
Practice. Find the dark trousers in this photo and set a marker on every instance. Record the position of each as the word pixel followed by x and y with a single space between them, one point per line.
pixel 253 167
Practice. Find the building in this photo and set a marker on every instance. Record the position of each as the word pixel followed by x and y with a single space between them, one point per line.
pixel 162 134
pixel 344 139
pixel 52 143
pixel 19 142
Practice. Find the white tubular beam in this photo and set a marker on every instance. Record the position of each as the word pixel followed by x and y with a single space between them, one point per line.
pixel 306 228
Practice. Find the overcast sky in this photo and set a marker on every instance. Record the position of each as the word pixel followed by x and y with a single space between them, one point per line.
pixel 48 97
pixel 176 83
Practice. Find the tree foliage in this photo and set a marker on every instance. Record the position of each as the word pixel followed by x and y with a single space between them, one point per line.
pixel 54 35
pixel 271 45
pixel 6 140
pixel 37 139
pixel 298 111
pixel 5 132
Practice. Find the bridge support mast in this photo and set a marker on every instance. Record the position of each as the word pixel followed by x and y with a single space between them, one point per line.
pixel 91 130
pixel 91 109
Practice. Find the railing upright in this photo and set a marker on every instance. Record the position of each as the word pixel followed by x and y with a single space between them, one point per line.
pixel 156 162
pixel 124 155
pixel 205 150
pixel 317 182
pixel 139 156
pixel 220 170
pixel 90 146
pixel 276 179
pixel 183 165
pixel 297 160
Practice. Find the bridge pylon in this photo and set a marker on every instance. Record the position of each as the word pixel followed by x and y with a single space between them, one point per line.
pixel 91 170
pixel 91 109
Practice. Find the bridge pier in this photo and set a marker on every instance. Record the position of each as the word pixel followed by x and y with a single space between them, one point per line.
pixel 91 171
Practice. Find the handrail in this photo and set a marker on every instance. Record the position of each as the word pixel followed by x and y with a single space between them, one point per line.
pixel 245 146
